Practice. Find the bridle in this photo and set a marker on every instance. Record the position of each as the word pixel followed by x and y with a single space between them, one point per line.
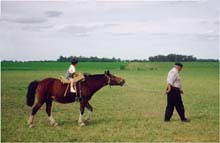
pixel 109 79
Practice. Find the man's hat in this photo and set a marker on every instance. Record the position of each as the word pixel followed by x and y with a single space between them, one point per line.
pixel 74 61
pixel 179 64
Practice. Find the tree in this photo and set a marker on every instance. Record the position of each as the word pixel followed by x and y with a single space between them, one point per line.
pixel 172 58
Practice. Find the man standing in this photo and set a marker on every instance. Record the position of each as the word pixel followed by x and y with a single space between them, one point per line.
pixel 174 94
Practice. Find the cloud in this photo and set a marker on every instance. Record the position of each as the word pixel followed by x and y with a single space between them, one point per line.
pixel 186 2
pixel 53 13
pixel 82 1
pixel 74 29
pixel 216 22
pixel 37 28
pixel 32 20
pixel 83 29
pixel 172 26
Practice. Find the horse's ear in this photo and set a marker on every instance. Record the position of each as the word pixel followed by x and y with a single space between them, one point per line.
pixel 107 72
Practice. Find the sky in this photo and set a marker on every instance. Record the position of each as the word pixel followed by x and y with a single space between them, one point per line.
pixel 45 30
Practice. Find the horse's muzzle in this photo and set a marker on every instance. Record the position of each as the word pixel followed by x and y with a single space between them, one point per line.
pixel 122 82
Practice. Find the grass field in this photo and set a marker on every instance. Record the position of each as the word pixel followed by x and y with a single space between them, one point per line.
pixel 134 112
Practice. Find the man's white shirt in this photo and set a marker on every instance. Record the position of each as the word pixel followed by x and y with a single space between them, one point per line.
pixel 173 78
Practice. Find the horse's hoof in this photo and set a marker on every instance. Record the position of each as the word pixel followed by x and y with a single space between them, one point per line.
pixel 88 121
pixel 82 124
pixel 55 124
pixel 29 122
pixel 31 126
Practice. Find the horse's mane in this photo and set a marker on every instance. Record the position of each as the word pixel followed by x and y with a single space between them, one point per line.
pixel 87 76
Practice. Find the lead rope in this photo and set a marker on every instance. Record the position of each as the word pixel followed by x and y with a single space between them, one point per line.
pixel 148 90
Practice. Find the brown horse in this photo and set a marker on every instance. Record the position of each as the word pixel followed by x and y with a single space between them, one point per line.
pixel 50 89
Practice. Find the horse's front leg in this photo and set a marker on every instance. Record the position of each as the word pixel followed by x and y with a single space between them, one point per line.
pixel 48 110
pixel 82 108
pixel 90 109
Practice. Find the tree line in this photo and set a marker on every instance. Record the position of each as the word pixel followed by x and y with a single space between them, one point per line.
pixel 158 58
pixel 172 58
pixel 88 59
pixel 178 58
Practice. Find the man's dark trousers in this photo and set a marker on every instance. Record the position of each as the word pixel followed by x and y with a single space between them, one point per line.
pixel 174 99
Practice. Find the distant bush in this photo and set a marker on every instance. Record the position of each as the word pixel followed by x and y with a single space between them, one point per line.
pixel 122 67
pixel 139 66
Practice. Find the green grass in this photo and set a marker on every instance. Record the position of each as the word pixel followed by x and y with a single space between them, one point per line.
pixel 134 112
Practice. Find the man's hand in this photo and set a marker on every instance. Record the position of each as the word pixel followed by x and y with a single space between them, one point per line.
pixel 181 92
pixel 168 91
pixel 168 88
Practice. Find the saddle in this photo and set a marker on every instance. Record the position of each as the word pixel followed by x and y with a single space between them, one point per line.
pixel 77 79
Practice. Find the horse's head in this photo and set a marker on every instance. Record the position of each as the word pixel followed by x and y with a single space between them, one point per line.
pixel 114 80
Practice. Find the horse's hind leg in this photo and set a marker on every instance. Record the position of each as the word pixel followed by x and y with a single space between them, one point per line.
pixel 48 110
pixel 34 111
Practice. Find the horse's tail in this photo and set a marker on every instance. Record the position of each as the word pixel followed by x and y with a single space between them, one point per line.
pixel 31 93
